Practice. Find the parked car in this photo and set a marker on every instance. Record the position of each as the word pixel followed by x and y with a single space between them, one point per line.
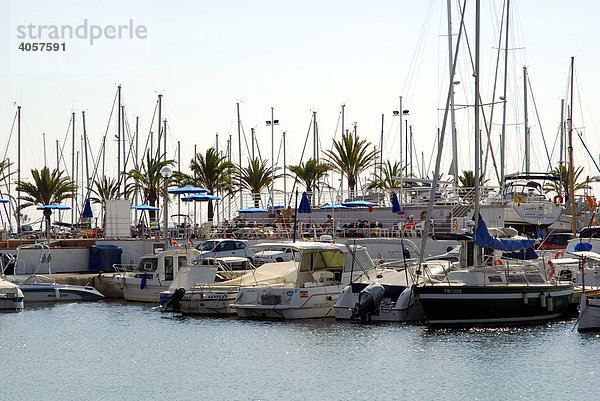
pixel 267 253
pixel 556 241
pixel 219 248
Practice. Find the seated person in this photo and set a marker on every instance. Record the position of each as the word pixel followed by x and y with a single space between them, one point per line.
pixel 329 223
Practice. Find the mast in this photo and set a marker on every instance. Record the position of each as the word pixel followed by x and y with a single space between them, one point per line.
pixel 381 146
pixel 452 115
pixel 124 155
pixel 44 137
pixel 284 166
pixel 401 174
pixel 239 129
pixel 476 249
pixel 19 168
pixel 119 138
pixel 135 164
pixel 503 135
pixel 179 170
pixel 273 158
pixel 343 132
pixel 527 150
pixel 561 162
pixel 411 151
pixel 252 139
pixel 315 138
pixel 571 178
pixel 85 146
pixel 159 121
pixel 73 169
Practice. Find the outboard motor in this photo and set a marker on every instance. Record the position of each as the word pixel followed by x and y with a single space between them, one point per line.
pixel 369 300
pixel 173 303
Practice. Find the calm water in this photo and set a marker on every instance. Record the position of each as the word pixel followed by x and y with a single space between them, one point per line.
pixel 113 350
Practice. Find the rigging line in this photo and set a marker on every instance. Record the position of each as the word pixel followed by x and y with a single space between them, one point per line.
pixel 245 139
pixel 103 147
pixel 150 130
pixel 485 124
pixel 539 123
pixel 10 135
pixel 489 142
pixel 587 150
pixel 301 157
pixel 62 148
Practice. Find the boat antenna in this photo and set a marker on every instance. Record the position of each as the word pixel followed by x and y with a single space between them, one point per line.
pixel 295 219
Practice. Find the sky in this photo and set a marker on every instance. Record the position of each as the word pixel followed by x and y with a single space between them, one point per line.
pixel 297 57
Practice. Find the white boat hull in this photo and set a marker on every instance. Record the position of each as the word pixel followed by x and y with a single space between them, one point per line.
pixel 133 291
pixel 208 303
pixel 288 303
pixel 59 293
pixel 589 314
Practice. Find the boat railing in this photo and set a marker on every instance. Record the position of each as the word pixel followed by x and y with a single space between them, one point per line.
pixel 124 267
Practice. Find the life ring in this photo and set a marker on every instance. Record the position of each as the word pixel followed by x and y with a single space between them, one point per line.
pixel 558 200
pixel 423 214
pixel 559 254
pixel 498 262
pixel 518 199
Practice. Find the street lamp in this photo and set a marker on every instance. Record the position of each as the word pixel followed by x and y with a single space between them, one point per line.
pixel 166 172
pixel 272 123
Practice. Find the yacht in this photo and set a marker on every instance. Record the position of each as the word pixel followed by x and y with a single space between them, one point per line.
pixel 155 272
pixel 317 277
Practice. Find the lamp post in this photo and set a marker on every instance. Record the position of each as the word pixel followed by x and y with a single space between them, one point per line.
pixel 166 172
pixel 272 123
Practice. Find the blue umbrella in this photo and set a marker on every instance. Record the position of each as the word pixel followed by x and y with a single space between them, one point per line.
pixel 200 198
pixel 145 207
pixel 54 206
pixel 336 206
pixel 395 204
pixel 304 204
pixel 252 210
pixel 87 210
pixel 360 203
pixel 189 189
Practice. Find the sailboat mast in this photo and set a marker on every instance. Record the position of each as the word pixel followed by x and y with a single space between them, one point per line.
pixel 315 138
pixel 239 130
pixel 73 179
pixel 381 146
pixel 452 120
pixel 476 249
pixel 19 169
pixel 503 138
pixel 571 178
pixel 85 146
pixel 119 139
pixel 562 133
pixel 527 150
pixel 284 172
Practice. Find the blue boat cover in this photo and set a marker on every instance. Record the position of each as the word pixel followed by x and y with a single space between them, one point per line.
pixel 103 257
pixel 484 239
pixel 583 247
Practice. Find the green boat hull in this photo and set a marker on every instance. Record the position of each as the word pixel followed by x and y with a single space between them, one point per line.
pixel 450 305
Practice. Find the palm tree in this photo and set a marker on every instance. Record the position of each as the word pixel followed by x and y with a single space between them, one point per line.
pixel 47 188
pixel 103 190
pixel 562 185
pixel 467 182
pixel 210 171
pixel 148 180
pixel 384 176
pixel 311 174
pixel 256 176
pixel 351 156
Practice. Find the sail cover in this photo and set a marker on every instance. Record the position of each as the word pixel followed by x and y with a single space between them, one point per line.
pixel 484 239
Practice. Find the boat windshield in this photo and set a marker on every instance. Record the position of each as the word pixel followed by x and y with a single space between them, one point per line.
pixel 329 259
pixel 148 265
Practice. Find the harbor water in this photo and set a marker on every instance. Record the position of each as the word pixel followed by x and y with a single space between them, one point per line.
pixel 126 351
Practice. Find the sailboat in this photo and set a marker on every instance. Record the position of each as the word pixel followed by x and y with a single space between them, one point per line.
pixel 484 289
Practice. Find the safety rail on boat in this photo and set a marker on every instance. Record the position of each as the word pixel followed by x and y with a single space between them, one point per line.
pixel 124 267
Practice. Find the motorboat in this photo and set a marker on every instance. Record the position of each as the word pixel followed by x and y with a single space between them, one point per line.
pixel 11 296
pixel 44 288
pixel 155 272
pixel 318 275
pixel 218 298
pixel 202 271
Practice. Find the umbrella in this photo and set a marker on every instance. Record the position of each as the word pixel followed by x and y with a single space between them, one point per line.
pixel 304 204
pixel 54 206
pixel 200 198
pixel 395 204
pixel 360 203
pixel 189 189
pixel 87 210
pixel 252 210
pixel 4 200
pixel 145 207
pixel 336 206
